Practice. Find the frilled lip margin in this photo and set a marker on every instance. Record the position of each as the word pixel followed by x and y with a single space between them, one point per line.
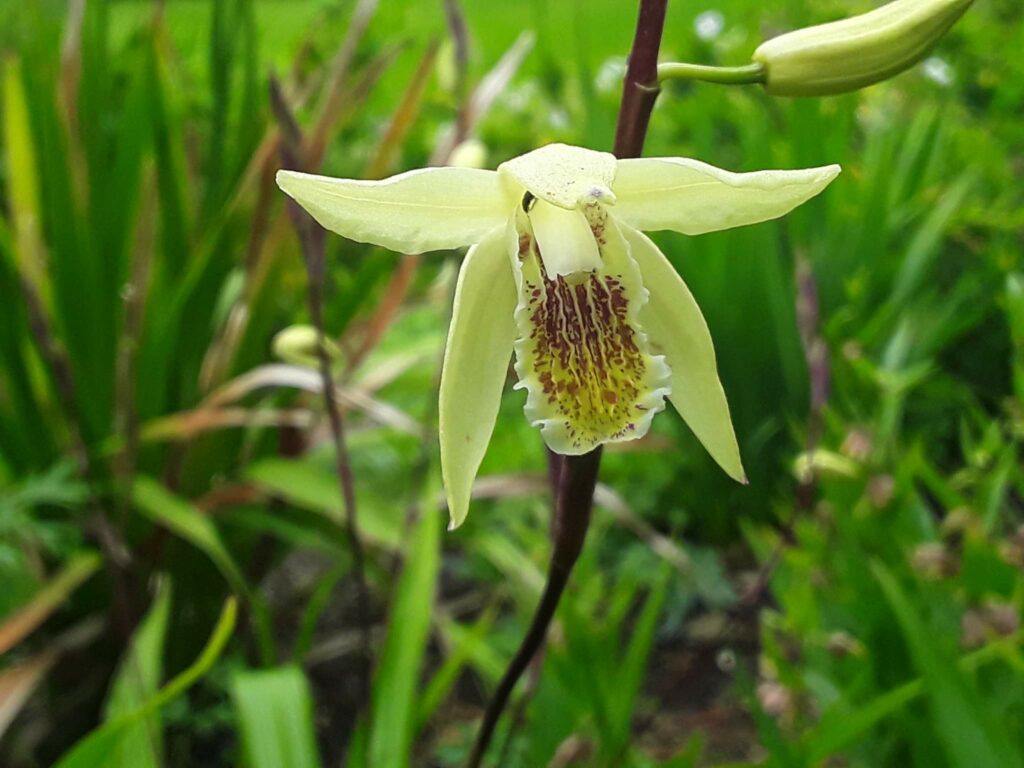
pixel 581 352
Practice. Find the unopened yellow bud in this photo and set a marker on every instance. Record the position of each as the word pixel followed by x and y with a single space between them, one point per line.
pixel 856 52
pixel 297 344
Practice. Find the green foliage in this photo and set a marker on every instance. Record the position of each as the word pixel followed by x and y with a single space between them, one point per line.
pixel 275 717
pixel 393 712
pixel 120 732
pixel 858 603
pixel 138 678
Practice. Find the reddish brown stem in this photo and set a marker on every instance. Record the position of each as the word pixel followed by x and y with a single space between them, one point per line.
pixel 639 87
pixel 572 519
pixel 311 237
pixel 577 475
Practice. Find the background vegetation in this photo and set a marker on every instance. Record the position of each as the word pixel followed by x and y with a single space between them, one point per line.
pixel 176 580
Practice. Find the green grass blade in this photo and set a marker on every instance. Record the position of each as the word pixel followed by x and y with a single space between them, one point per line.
pixel 633 666
pixel 397 684
pixel 275 715
pixel 95 749
pixel 315 488
pixel 961 718
pixel 924 248
pixel 459 656
pixel 23 621
pixel 183 519
pixel 1015 319
pixel 22 180
pixel 137 680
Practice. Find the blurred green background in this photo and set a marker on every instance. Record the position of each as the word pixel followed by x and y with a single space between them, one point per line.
pixel 176 580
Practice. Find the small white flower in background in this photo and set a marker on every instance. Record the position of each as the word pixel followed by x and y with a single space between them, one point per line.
pixel 938 71
pixel 603 327
pixel 609 75
pixel 558 119
pixel 709 25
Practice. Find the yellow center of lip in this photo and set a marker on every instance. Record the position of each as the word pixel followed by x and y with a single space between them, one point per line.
pixel 581 353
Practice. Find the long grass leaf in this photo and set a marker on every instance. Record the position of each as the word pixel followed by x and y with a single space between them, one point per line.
pixel 26 619
pixel 315 488
pixel 924 247
pixel 182 518
pixel 22 180
pixel 137 680
pixel 397 684
pixel 275 716
pixel 94 750
pixel 971 738
pixel 458 656
pixel 633 666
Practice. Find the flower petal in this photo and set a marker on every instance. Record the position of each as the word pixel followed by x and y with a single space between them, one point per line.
pixel 423 210
pixel 676 328
pixel 564 239
pixel 561 174
pixel 475 365
pixel 692 197
pixel 581 353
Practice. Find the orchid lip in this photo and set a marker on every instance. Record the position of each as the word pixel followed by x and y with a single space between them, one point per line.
pixel 581 354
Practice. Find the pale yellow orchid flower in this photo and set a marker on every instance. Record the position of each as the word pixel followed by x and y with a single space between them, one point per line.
pixel 603 327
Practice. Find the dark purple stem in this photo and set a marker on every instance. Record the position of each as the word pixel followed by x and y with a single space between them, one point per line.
pixel 577 475
pixel 639 87
pixel 572 518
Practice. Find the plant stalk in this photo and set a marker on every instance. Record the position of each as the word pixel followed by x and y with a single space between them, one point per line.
pixel 572 519
pixel 311 236
pixel 639 87
pixel 577 475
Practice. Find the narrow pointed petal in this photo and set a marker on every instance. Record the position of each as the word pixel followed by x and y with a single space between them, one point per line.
pixel 562 175
pixel 691 197
pixel 423 210
pixel 581 352
pixel 476 361
pixel 676 328
pixel 564 238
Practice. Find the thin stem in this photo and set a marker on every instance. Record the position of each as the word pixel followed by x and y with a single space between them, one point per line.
pixel 311 237
pixel 746 75
pixel 577 475
pixel 638 96
pixel 572 519
pixel 346 482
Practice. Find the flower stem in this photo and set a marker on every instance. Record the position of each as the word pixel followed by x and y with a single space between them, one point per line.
pixel 572 519
pixel 638 95
pixel 311 238
pixel 746 75
pixel 577 475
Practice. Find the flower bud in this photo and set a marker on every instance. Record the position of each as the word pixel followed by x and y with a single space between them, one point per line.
pixel 853 53
pixel 297 344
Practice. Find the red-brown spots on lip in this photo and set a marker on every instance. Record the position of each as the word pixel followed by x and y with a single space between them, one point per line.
pixel 525 242
pixel 581 352
pixel 584 353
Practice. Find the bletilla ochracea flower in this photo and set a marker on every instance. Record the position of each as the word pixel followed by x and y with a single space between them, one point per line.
pixel 603 327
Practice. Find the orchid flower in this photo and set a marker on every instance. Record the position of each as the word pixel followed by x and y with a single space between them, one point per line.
pixel 602 326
